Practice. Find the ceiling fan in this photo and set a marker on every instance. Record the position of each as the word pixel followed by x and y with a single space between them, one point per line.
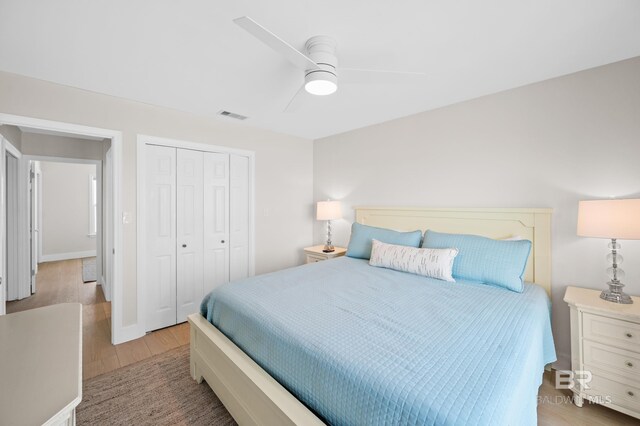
pixel 320 63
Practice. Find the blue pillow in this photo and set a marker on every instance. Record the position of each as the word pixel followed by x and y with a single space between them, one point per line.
pixel 501 263
pixel 361 236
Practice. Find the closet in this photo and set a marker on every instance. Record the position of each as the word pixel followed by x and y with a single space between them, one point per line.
pixel 197 228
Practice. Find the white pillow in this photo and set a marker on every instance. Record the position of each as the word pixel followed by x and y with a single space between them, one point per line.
pixel 433 263
pixel 512 238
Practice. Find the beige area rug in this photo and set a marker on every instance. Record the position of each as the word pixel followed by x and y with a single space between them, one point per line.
pixel 155 391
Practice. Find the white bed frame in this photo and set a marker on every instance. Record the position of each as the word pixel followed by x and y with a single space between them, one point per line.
pixel 253 397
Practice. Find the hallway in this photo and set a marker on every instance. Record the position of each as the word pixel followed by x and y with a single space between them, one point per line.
pixel 61 282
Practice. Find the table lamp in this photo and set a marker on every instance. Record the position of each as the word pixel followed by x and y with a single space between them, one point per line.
pixel 612 219
pixel 328 210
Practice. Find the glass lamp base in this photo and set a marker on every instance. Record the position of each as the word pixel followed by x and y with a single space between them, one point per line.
pixel 328 248
pixel 616 295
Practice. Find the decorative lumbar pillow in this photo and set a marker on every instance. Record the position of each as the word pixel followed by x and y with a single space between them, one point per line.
pixel 362 235
pixel 433 263
pixel 485 260
pixel 511 238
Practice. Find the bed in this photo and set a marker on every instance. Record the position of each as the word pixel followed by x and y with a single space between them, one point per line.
pixel 353 344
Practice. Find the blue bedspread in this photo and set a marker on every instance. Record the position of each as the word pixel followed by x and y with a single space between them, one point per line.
pixel 366 346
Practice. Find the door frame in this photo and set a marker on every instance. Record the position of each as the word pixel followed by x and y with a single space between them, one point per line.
pixel 119 331
pixel 36 216
pixel 141 170
pixel 107 223
pixel 99 218
pixel 19 288
pixel 3 280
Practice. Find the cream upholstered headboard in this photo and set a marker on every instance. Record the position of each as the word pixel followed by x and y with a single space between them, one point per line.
pixel 531 224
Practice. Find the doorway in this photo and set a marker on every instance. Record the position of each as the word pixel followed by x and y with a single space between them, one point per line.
pixel 64 218
pixel 30 230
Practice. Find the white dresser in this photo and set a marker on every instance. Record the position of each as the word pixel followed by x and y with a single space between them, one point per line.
pixel 41 365
pixel 605 350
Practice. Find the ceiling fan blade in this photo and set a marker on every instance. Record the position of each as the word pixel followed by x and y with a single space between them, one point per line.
pixel 296 101
pixel 365 76
pixel 296 57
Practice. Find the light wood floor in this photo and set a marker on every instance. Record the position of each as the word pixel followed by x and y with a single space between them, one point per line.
pixel 555 408
pixel 61 282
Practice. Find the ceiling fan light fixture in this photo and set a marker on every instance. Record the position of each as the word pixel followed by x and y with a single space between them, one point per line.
pixel 321 83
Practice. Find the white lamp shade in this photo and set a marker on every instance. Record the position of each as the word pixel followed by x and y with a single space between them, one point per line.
pixel 328 210
pixel 618 219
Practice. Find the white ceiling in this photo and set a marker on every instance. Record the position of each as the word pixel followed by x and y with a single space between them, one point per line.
pixel 188 55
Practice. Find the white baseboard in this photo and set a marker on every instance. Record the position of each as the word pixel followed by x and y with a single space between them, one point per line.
pixel 105 288
pixel 66 256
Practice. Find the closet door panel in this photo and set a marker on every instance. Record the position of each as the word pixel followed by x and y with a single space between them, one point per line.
pixel 239 220
pixel 189 232
pixel 161 236
pixel 216 220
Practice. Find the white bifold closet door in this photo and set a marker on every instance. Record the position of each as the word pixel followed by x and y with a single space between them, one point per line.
pixel 189 217
pixel 188 230
pixel 161 236
pixel 239 189
pixel 216 220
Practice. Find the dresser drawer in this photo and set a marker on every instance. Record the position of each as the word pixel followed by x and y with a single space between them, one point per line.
pixel 609 358
pixel 312 259
pixel 606 391
pixel 613 331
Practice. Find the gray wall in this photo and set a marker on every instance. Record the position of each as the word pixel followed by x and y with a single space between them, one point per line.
pixel 13 135
pixel 61 146
pixel 65 208
pixel 544 145
pixel 284 164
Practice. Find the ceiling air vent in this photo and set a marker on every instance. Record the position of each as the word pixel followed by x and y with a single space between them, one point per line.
pixel 232 115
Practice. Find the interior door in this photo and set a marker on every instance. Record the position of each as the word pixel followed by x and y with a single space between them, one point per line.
pixel 189 232
pixel 216 220
pixel 12 265
pixel 108 225
pixel 161 236
pixel 239 220
pixel 33 224
pixel 3 230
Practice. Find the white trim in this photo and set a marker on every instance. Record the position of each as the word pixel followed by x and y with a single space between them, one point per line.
pixel 39 180
pixel 141 211
pixel 98 173
pixel 24 229
pixel 12 214
pixel 71 160
pixel 66 256
pixel 10 149
pixel 141 171
pixel 107 224
pixel 3 231
pixel 93 223
pixel 195 146
pixel 119 333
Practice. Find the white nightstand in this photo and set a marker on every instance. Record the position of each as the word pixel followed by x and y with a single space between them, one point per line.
pixel 315 253
pixel 605 343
